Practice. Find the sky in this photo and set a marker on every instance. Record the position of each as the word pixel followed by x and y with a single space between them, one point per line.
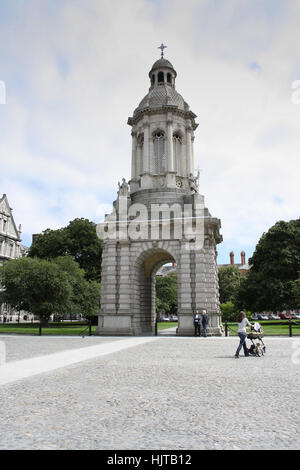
pixel 75 70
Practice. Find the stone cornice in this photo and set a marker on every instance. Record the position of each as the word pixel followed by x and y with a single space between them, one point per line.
pixel 4 236
pixel 163 110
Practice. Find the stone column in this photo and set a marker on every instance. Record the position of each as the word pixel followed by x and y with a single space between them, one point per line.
pixel 134 174
pixel 207 293
pixel 139 160
pixel 170 151
pixel 146 162
pixel 109 278
pixel 124 278
pixel 200 281
pixel 192 154
pixel 189 149
pixel 151 153
pixel 185 291
pixel 115 316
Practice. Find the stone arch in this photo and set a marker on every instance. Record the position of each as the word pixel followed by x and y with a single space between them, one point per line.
pixel 145 268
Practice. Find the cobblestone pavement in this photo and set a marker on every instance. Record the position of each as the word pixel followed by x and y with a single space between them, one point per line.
pixel 25 347
pixel 172 393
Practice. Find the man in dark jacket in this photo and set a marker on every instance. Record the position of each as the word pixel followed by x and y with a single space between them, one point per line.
pixel 204 321
pixel 197 323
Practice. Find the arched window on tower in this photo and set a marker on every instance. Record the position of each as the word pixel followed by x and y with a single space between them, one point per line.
pixel 160 77
pixel 169 78
pixel 177 152
pixel 159 152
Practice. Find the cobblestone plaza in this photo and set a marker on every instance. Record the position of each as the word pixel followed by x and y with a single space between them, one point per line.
pixel 150 393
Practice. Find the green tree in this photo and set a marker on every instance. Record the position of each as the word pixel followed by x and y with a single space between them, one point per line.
pixel 78 240
pixel 275 265
pixel 229 282
pixel 90 301
pixel 38 286
pixel 296 292
pixel 166 294
pixel 229 311
pixel 85 294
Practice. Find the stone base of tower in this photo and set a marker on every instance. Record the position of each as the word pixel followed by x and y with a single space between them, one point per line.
pixel 128 283
pixel 114 325
pixel 186 326
pixel 131 259
pixel 121 325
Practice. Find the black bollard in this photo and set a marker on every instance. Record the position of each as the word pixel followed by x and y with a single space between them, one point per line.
pixel 290 328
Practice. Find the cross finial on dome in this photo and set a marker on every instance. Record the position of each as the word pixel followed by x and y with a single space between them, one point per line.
pixel 162 47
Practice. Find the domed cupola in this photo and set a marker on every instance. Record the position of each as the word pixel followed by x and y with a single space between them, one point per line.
pixel 162 134
pixel 162 72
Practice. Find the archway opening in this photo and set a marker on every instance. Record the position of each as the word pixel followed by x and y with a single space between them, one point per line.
pixel 166 299
pixel 150 265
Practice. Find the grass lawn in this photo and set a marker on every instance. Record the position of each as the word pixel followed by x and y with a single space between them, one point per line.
pixel 165 325
pixel 69 329
pixel 270 328
pixel 33 329
pixel 77 328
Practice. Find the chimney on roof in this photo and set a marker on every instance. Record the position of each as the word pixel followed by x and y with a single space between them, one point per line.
pixel 243 257
pixel 231 254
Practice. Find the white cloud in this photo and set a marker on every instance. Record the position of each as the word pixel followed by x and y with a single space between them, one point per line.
pixel 75 75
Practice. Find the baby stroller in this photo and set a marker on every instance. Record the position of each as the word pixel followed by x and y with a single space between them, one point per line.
pixel 257 347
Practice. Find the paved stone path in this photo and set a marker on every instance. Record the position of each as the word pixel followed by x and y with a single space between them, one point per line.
pixel 169 393
pixel 12 371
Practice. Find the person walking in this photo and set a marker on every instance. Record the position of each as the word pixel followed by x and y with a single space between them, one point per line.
pixel 197 323
pixel 204 321
pixel 243 322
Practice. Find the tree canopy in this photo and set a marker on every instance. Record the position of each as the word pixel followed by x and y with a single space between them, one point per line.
pixel 296 292
pixel 78 240
pixel 46 287
pixel 275 266
pixel 85 295
pixel 38 286
pixel 166 294
pixel 229 282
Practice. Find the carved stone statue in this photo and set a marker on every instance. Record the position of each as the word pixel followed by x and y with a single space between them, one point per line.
pixel 193 183
pixel 123 188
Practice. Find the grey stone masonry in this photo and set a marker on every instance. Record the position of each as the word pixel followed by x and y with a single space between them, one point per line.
pixel 128 284
pixel 159 217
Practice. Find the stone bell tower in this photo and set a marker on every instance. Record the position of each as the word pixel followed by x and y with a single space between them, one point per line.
pixel 159 217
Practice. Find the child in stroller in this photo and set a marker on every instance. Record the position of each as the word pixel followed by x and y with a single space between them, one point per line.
pixel 257 347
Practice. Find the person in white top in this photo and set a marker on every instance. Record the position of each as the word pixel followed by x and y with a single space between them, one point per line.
pixel 243 322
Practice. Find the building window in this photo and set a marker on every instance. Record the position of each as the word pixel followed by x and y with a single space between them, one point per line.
pixel 169 78
pixel 159 152
pixel 160 77
pixel 177 152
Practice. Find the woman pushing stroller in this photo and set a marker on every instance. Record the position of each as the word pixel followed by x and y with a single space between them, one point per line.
pixel 243 322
